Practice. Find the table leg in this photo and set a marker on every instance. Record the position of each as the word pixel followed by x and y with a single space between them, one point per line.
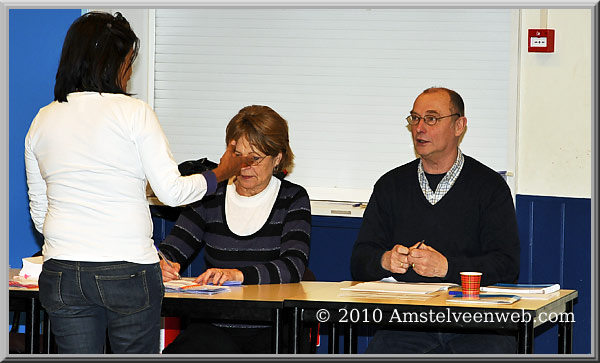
pixel 350 339
pixel 48 341
pixel 334 346
pixel 32 327
pixel 294 331
pixel 277 331
pixel 525 338
pixel 565 332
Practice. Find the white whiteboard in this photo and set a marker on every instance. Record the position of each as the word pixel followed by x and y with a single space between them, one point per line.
pixel 344 79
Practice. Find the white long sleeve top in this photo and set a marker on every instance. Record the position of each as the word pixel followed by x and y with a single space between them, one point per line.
pixel 87 162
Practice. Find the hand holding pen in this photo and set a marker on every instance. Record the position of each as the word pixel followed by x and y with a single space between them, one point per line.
pixel 415 248
pixel 427 261
pixel 395 260
pixel 171 270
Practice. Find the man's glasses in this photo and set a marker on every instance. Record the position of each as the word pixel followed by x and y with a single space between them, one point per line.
pixel 428 119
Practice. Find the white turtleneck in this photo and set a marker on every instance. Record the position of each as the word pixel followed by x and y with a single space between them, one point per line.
pixel 246 215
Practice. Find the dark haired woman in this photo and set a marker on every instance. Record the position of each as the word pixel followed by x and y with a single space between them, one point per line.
pixel 89 155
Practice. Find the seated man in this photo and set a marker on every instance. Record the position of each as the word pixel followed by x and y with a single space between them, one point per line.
pixel 254 229
pixel 462 212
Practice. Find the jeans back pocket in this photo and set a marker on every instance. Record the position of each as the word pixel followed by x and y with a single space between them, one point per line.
pixel 124 294
pixel 50 297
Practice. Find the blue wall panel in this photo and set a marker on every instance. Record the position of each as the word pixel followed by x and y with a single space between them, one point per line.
pixel 556 241
pixel 163 220
pixel 331 244
pixel 35 43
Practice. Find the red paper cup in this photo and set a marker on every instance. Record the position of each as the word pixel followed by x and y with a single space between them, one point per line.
pixel 470 284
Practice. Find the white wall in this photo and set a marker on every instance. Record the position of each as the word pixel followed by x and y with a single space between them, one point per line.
pixel 350 73
pixel 140 77
pixel 554 115
pixel 555 107
pixel 139 20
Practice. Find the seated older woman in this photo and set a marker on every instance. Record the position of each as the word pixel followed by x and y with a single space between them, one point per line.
pixel 254 229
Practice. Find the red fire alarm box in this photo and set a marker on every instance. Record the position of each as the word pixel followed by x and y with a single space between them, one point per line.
pixel 541 40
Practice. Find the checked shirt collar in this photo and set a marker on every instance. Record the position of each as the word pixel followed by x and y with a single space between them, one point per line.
pixel 444 185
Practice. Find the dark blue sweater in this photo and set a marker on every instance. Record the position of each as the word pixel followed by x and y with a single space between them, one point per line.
pixel 474 225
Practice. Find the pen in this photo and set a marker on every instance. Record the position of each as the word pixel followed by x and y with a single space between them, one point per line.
pixel 416 248
pixel 162 255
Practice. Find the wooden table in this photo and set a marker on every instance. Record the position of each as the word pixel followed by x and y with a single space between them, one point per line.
pixel 256 303
pixel 304 303
pixel 344 309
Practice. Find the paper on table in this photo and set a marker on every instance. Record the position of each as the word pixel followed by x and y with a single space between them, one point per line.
pixel 527 296
pixel 190 286
pixel 389 279
pixel 23 283
pixel 176 284
pixel 484 299
pixel 522 288
pixel 445 285
pixel 32 268
pixel 399 287
pixel 387 295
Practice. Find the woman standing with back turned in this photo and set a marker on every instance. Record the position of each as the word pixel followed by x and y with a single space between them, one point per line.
pixel 88 156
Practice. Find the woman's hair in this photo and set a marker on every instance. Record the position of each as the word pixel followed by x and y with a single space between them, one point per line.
pixel 93 55
pixel 265 130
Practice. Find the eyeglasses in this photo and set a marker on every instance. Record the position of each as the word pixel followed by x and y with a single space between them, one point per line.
pixel 254 160
pixel 429 119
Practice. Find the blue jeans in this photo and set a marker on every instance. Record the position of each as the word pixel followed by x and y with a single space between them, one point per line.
pixel 85 299
pixel 391 341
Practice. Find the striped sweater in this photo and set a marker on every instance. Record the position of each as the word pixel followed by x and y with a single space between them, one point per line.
pixel 277 253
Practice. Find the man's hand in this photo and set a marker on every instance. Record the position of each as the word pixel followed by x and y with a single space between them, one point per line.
pixel 219 275
pixel 396 259
pixel 230 164
pixel 426 261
